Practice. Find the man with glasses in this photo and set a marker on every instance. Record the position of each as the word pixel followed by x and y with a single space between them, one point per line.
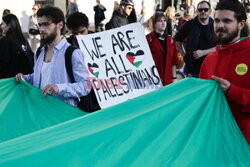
pixel 230 64
pixel 50 73
pixel 200 39
pixel 120 16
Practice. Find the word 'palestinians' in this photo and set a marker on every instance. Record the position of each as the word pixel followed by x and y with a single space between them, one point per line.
pixel 126 83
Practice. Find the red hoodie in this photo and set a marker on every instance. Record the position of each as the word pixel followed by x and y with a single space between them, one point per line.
pixel 232 62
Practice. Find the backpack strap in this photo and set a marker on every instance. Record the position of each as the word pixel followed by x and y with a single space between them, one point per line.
pixel 68 62
pixel 38 51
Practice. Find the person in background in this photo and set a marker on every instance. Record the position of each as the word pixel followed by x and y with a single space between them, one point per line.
pixel 78 24
pixel 188 15
pixel 99 16
pixel 120 17
pixel 34 29
pixel 171 21
pixel 116 5
pixel 15 53
pixel 141 17
pixel 50 73
pixel 246 4
pixel 230 63
pixel 163 49
pixel 183 5
pixel 5 12
pixel 148 26
pixel 72 7
pixel 200 39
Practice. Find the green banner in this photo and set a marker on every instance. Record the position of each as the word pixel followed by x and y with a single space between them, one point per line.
pixel 23 109
pixel 187 123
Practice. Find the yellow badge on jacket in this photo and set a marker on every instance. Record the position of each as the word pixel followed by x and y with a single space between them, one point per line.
pixel 241 69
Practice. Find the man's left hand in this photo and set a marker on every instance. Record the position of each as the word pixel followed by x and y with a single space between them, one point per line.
pixel 198 54
pixel 50 89
pixel 225 84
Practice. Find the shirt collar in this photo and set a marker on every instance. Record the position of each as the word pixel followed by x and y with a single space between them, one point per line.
pixel 60 45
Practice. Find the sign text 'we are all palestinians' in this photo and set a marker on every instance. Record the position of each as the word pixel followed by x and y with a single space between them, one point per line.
pixel 120 64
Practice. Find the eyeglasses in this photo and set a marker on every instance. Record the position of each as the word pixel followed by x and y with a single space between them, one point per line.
pixel 44 24
pixel 203 9
pixel 34 9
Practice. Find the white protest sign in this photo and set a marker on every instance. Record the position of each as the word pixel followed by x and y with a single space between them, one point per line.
pixel 120 64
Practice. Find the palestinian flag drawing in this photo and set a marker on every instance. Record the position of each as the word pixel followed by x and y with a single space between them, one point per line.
pixel 135 59
pixel 94 69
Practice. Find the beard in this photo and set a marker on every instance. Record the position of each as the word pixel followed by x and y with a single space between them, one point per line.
pixel 203 19
pixel 49 39
pixel 227 39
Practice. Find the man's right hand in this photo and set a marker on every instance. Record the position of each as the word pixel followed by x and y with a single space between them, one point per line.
pixel 20 76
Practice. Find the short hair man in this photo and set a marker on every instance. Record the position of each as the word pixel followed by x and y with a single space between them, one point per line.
pixel 78 23
pixel 200 39
pixel 120 16
pixel 50 73
pixel 230 64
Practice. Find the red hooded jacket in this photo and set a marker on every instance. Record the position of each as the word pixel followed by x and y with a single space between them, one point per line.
pixel 164 68
pixel 232 62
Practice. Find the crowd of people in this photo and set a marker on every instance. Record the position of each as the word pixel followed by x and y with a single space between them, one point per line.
pixel 215 49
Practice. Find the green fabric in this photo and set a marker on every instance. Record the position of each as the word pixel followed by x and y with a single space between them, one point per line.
pixel 184 124
pixel 242 38
pixel 23 110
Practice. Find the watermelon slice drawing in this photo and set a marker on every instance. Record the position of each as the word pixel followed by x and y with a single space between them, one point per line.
pixel 93 69
pixel 135 59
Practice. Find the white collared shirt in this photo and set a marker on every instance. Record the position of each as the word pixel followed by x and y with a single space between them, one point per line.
pixel 68 91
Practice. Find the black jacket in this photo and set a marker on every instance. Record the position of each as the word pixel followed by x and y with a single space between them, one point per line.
pixel 15 58
pixel 99 14
pixel 132 18
pixel 191 29
pixel 117 20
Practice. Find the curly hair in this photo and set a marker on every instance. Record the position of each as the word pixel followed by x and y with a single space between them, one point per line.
pixel 77 19
pixel 53 13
